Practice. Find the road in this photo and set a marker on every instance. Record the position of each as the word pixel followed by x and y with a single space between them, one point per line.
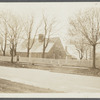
pixel 55 81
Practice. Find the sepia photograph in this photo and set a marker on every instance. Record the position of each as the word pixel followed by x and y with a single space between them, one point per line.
pixel 49 48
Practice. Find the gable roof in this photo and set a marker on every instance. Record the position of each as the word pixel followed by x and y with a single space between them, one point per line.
pixel 38 46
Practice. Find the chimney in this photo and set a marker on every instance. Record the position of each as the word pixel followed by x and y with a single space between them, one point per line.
pixel 40 37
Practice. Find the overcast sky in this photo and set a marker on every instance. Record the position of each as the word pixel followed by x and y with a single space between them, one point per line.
pixel 61 11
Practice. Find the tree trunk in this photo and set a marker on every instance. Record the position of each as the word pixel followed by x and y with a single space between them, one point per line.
pixel 15 53
pixel 43 55
pixel 81 56
pixel 28 46
pixel 94 49
pixel 4 53
pixel 28 52
pixel 3 50
pixel 5 45
pixel 15 48
pixel 12 58
pixel 86 55
pixel 12 53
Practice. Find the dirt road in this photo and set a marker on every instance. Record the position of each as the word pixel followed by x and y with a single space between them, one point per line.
pixel 51 80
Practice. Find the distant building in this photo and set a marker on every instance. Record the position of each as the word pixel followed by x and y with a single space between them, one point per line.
pixel 54 49
pixel 70 52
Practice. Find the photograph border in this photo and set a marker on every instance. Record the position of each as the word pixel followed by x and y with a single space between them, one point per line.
pixel 93 96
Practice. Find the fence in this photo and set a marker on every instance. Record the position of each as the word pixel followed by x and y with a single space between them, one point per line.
pixel 53 62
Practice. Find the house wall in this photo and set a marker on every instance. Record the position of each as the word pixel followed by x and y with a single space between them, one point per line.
pixel 22 54
pixel 57 51
pixel 36 55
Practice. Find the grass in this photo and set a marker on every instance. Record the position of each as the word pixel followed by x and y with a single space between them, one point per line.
pixel 7 86
pixel 65 69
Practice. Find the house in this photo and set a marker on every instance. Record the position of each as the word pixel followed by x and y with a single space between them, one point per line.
pixel 54 49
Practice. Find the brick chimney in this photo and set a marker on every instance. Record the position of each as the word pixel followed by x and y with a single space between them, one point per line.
pixel 40 37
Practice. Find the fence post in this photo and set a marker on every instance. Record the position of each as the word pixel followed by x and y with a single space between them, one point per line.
pixel 58 62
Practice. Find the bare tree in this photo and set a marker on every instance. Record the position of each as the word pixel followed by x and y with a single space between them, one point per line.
pixel 48 28
pixel 3 31
pixel 29 31
pixel 87 23
pixel 80 45
pixel 80 48
pixel 14 30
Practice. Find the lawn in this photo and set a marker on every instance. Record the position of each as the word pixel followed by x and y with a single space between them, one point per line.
pixel 64 69
pixel 7 86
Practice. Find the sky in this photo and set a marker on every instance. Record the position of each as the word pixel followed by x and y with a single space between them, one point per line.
pixel 61 11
